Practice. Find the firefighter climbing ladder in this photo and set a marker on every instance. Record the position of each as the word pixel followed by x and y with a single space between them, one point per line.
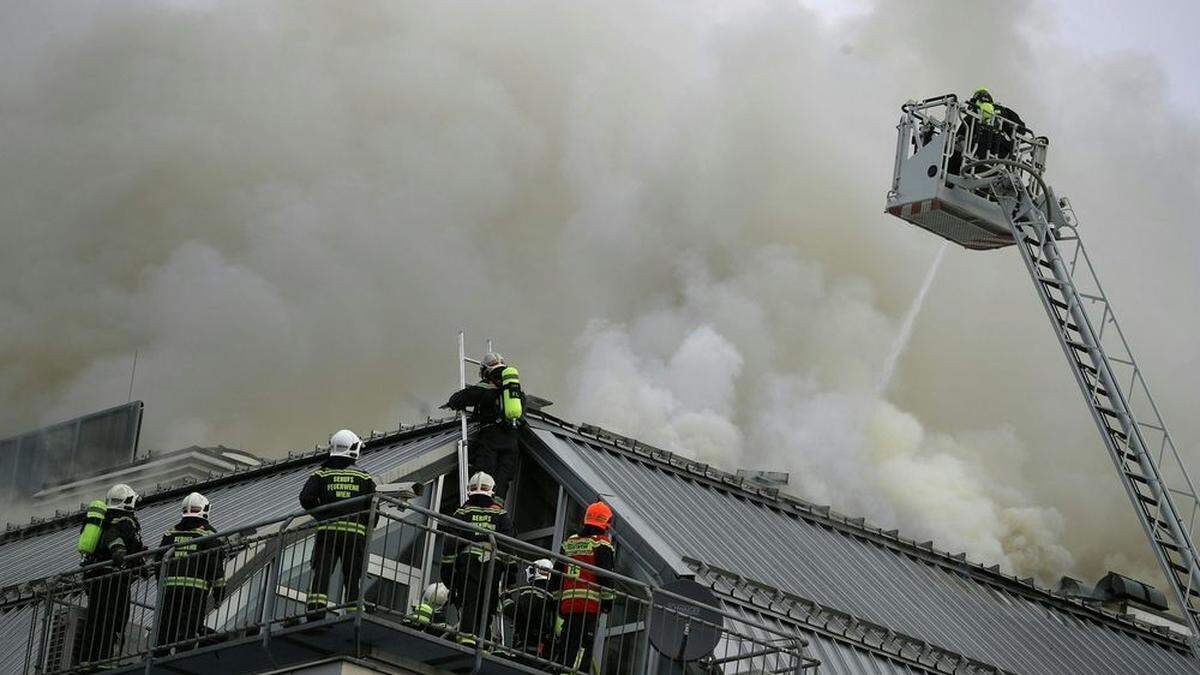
pixel 1111 381
pixel 994 202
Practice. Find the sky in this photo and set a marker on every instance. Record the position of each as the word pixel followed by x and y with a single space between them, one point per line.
pixel 669 215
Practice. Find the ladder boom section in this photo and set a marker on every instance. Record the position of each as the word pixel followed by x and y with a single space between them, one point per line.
pixel 1113 385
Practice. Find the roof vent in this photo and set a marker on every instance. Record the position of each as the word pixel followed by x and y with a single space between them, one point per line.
pixel 767 479
pixel 1119 589
pixel 1076 589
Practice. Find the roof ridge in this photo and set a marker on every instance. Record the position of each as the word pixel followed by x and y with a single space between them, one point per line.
pixel 269 465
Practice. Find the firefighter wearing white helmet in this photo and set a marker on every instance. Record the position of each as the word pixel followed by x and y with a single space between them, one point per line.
pixel 431 613
pixel 496 404
pixel 465 556
pixel 533 609
pixel 108 594
pixel 193 572
pixel 342 530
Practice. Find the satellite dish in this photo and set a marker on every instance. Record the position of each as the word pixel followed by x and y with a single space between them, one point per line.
pixel 682 631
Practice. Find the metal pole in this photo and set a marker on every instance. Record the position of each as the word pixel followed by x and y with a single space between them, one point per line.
pixel 271 587
pixel 462 416
pixel 484 608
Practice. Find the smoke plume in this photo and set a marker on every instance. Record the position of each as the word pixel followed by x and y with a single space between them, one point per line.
pixel 668 214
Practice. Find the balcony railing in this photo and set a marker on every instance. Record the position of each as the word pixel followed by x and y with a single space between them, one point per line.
pixel 317 568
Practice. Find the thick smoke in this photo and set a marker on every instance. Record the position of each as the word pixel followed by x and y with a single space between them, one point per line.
pixel 668 214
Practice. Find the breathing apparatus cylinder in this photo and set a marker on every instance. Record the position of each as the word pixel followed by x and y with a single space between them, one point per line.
pixel 93 526
pixel 510 394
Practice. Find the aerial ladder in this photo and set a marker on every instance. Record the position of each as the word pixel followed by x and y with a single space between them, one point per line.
pixel 980 183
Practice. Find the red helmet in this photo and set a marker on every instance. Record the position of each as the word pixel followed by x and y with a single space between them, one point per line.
pixel 598 514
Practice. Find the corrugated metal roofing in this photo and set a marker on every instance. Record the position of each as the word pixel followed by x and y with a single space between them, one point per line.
pixel 257 498
pixel 15 630
pixel 860 577
pixel 835 656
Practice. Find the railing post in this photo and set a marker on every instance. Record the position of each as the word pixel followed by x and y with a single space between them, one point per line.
pixel 43 644
pixel 271 587
pixel 160 577
pixel 364 568
pixel 484 608
pixel 645 641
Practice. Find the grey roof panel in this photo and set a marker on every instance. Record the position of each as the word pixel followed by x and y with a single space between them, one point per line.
pixel 257 498
pixel 941 606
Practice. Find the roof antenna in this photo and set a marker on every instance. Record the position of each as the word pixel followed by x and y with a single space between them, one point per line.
pixel 132 372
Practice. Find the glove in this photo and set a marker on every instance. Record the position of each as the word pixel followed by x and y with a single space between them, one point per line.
pixel 558 626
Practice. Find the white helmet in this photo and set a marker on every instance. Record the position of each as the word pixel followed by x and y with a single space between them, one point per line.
pixel 345 443
pixel 540 569
pixel 196 506
pixel 490 362
pixel 481 484
pixel 121 497
pixel 436 595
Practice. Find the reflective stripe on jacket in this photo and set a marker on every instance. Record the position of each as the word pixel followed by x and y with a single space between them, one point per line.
pixel 582 591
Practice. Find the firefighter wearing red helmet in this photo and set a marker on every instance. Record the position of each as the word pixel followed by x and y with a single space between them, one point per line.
pixel 583 593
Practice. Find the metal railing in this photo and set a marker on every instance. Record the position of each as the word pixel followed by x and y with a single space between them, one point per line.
pixel 969 137
pixel 332 563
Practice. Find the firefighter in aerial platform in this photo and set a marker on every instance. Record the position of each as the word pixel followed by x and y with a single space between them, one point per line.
pixel 496 403
pixel 342 533
pixel 110 533
pixel 466 554
pixel 583 594
pixel 994 131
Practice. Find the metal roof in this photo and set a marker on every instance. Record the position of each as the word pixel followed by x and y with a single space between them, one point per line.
pixel 944 601
pixel 237 500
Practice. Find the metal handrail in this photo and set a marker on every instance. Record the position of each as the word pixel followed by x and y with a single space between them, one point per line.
pixel 638 596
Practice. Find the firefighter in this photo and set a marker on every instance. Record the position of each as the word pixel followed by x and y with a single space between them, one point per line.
pixel 193 572
pixel 107 586
pixel 531 608
pixel 496 403
pixel 341 532
pixel 431 613
pixel 465 556
pixel 583 594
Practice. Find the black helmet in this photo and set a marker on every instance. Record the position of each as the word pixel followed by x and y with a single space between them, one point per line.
pixel 982 94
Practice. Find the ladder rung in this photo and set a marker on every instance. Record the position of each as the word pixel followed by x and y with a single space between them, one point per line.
pixel 1138 478
pixel 1047 265
pixel 1058 303
pixel 1050 282
pixel 1167 545
pixel 1149 500
pixel 1106 411
pixel 1077 345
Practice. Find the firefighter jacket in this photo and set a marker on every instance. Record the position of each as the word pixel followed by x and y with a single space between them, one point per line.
pixel 338 479
pixel 483 512
pixel 426 614
pixel 121 537
pixel 581 590
pixel 191 564
pixel 533 610
pixel 484 401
